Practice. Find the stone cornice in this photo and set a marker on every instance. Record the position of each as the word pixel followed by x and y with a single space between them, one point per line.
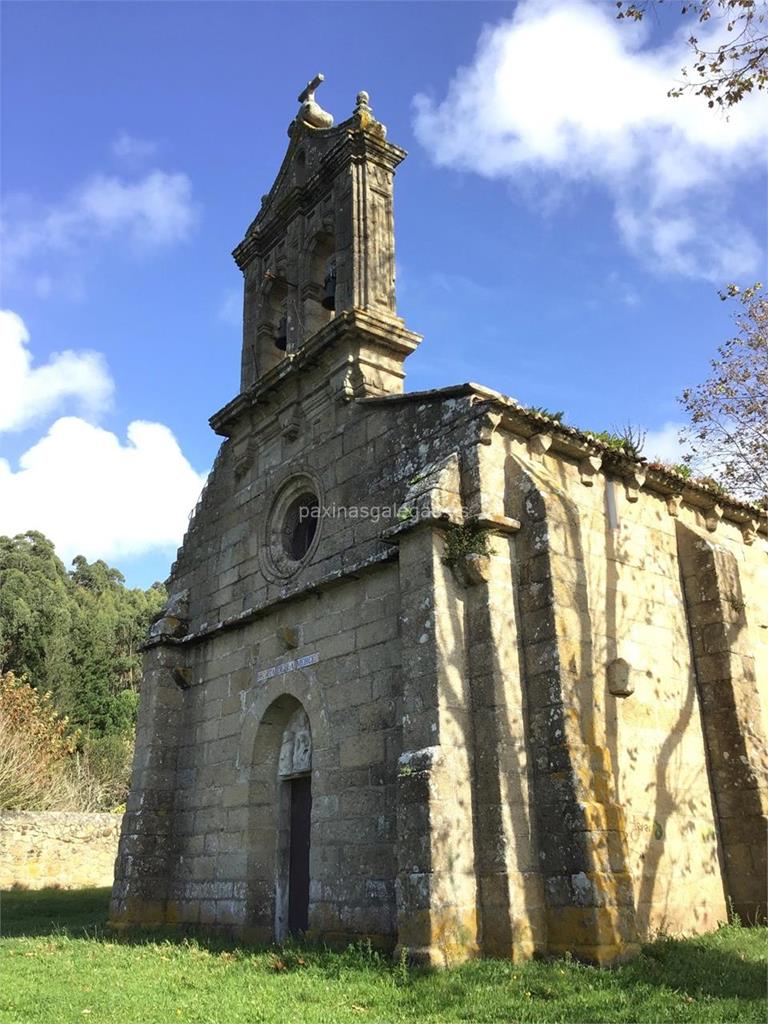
pixel 356 325
pixel 578 444
pixel 287 594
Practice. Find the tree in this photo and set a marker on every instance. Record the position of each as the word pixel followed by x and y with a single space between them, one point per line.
pixel 77 634
pixel 737 65
pixel 35 611
pixel 109 624
pixel 37 748
pixel 729 411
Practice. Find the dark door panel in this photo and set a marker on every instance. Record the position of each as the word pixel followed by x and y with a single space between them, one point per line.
pixel 298 878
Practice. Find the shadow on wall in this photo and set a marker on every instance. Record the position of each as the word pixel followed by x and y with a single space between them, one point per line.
pixel 671 792
pixel 582 840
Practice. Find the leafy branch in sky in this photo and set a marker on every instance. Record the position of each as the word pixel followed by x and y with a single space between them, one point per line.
pixel 736 66
pixel 729 410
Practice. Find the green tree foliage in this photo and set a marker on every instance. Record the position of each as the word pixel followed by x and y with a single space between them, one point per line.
pixel 35 611
pixel 74 634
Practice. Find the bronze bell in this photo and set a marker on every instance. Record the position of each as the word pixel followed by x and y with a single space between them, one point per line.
pixel 329 298
pixel 281 338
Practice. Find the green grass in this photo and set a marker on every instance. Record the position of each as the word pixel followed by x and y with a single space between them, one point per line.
pixel 57 966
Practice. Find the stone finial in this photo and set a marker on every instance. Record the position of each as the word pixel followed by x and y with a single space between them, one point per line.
pixel 363 115
pixel 311 113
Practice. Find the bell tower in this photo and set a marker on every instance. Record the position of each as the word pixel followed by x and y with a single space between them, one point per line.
pixel 322 244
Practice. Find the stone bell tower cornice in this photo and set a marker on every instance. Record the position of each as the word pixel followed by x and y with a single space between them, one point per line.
pixel 362 356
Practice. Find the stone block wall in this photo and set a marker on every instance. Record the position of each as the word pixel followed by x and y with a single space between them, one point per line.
pixel 615 618
pixel 506 760
pixel 57 849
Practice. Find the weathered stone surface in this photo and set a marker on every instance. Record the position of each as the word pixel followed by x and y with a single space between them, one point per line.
pixel 505 754
pixel 63 849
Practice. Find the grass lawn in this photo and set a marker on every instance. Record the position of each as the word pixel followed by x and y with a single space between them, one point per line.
pixel 57 966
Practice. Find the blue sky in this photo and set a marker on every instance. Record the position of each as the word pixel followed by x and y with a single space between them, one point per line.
pixel 562 226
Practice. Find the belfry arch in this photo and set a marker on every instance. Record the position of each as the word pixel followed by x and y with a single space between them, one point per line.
pixel 272 330
pixel 280 821
pixel 320 258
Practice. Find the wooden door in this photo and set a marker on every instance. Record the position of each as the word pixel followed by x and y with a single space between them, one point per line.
pixel 298 867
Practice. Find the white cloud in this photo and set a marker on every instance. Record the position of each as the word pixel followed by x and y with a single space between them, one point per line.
pixel 231 308
pixel 132 148
pixel 28 393
pixel 663 445
pixel 87 490
pixel 565 92
pixel 95 496
pixel 154 211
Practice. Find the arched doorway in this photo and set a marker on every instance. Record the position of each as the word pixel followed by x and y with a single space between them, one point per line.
pixel 294 770
pixel 279 834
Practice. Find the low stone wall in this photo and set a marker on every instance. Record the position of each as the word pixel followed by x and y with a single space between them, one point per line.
pixel 65 849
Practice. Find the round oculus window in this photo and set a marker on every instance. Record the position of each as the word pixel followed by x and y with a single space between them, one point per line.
pixel 292 527
pixel 300 525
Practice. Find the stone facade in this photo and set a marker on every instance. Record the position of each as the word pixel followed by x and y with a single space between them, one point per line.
pixel 59 849
pixel 520 671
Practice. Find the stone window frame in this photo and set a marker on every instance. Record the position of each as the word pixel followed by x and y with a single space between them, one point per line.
pixel 278 563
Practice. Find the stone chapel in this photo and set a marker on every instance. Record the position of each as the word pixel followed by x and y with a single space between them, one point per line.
pixel 436 669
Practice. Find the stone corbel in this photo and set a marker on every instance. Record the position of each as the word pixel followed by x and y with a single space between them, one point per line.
pixel 243 460
pixel 174 618
pixel 311 290
pixel 674 501
pixel 342 385
pixel 635 481
pixel 290 422
pixel 588 469
pixel 749 530
pixel 619 673
pixel 474 568
pixel 182 676
pixel 290 636
pixel 487 424
pixel 712 517
pixel 539 444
